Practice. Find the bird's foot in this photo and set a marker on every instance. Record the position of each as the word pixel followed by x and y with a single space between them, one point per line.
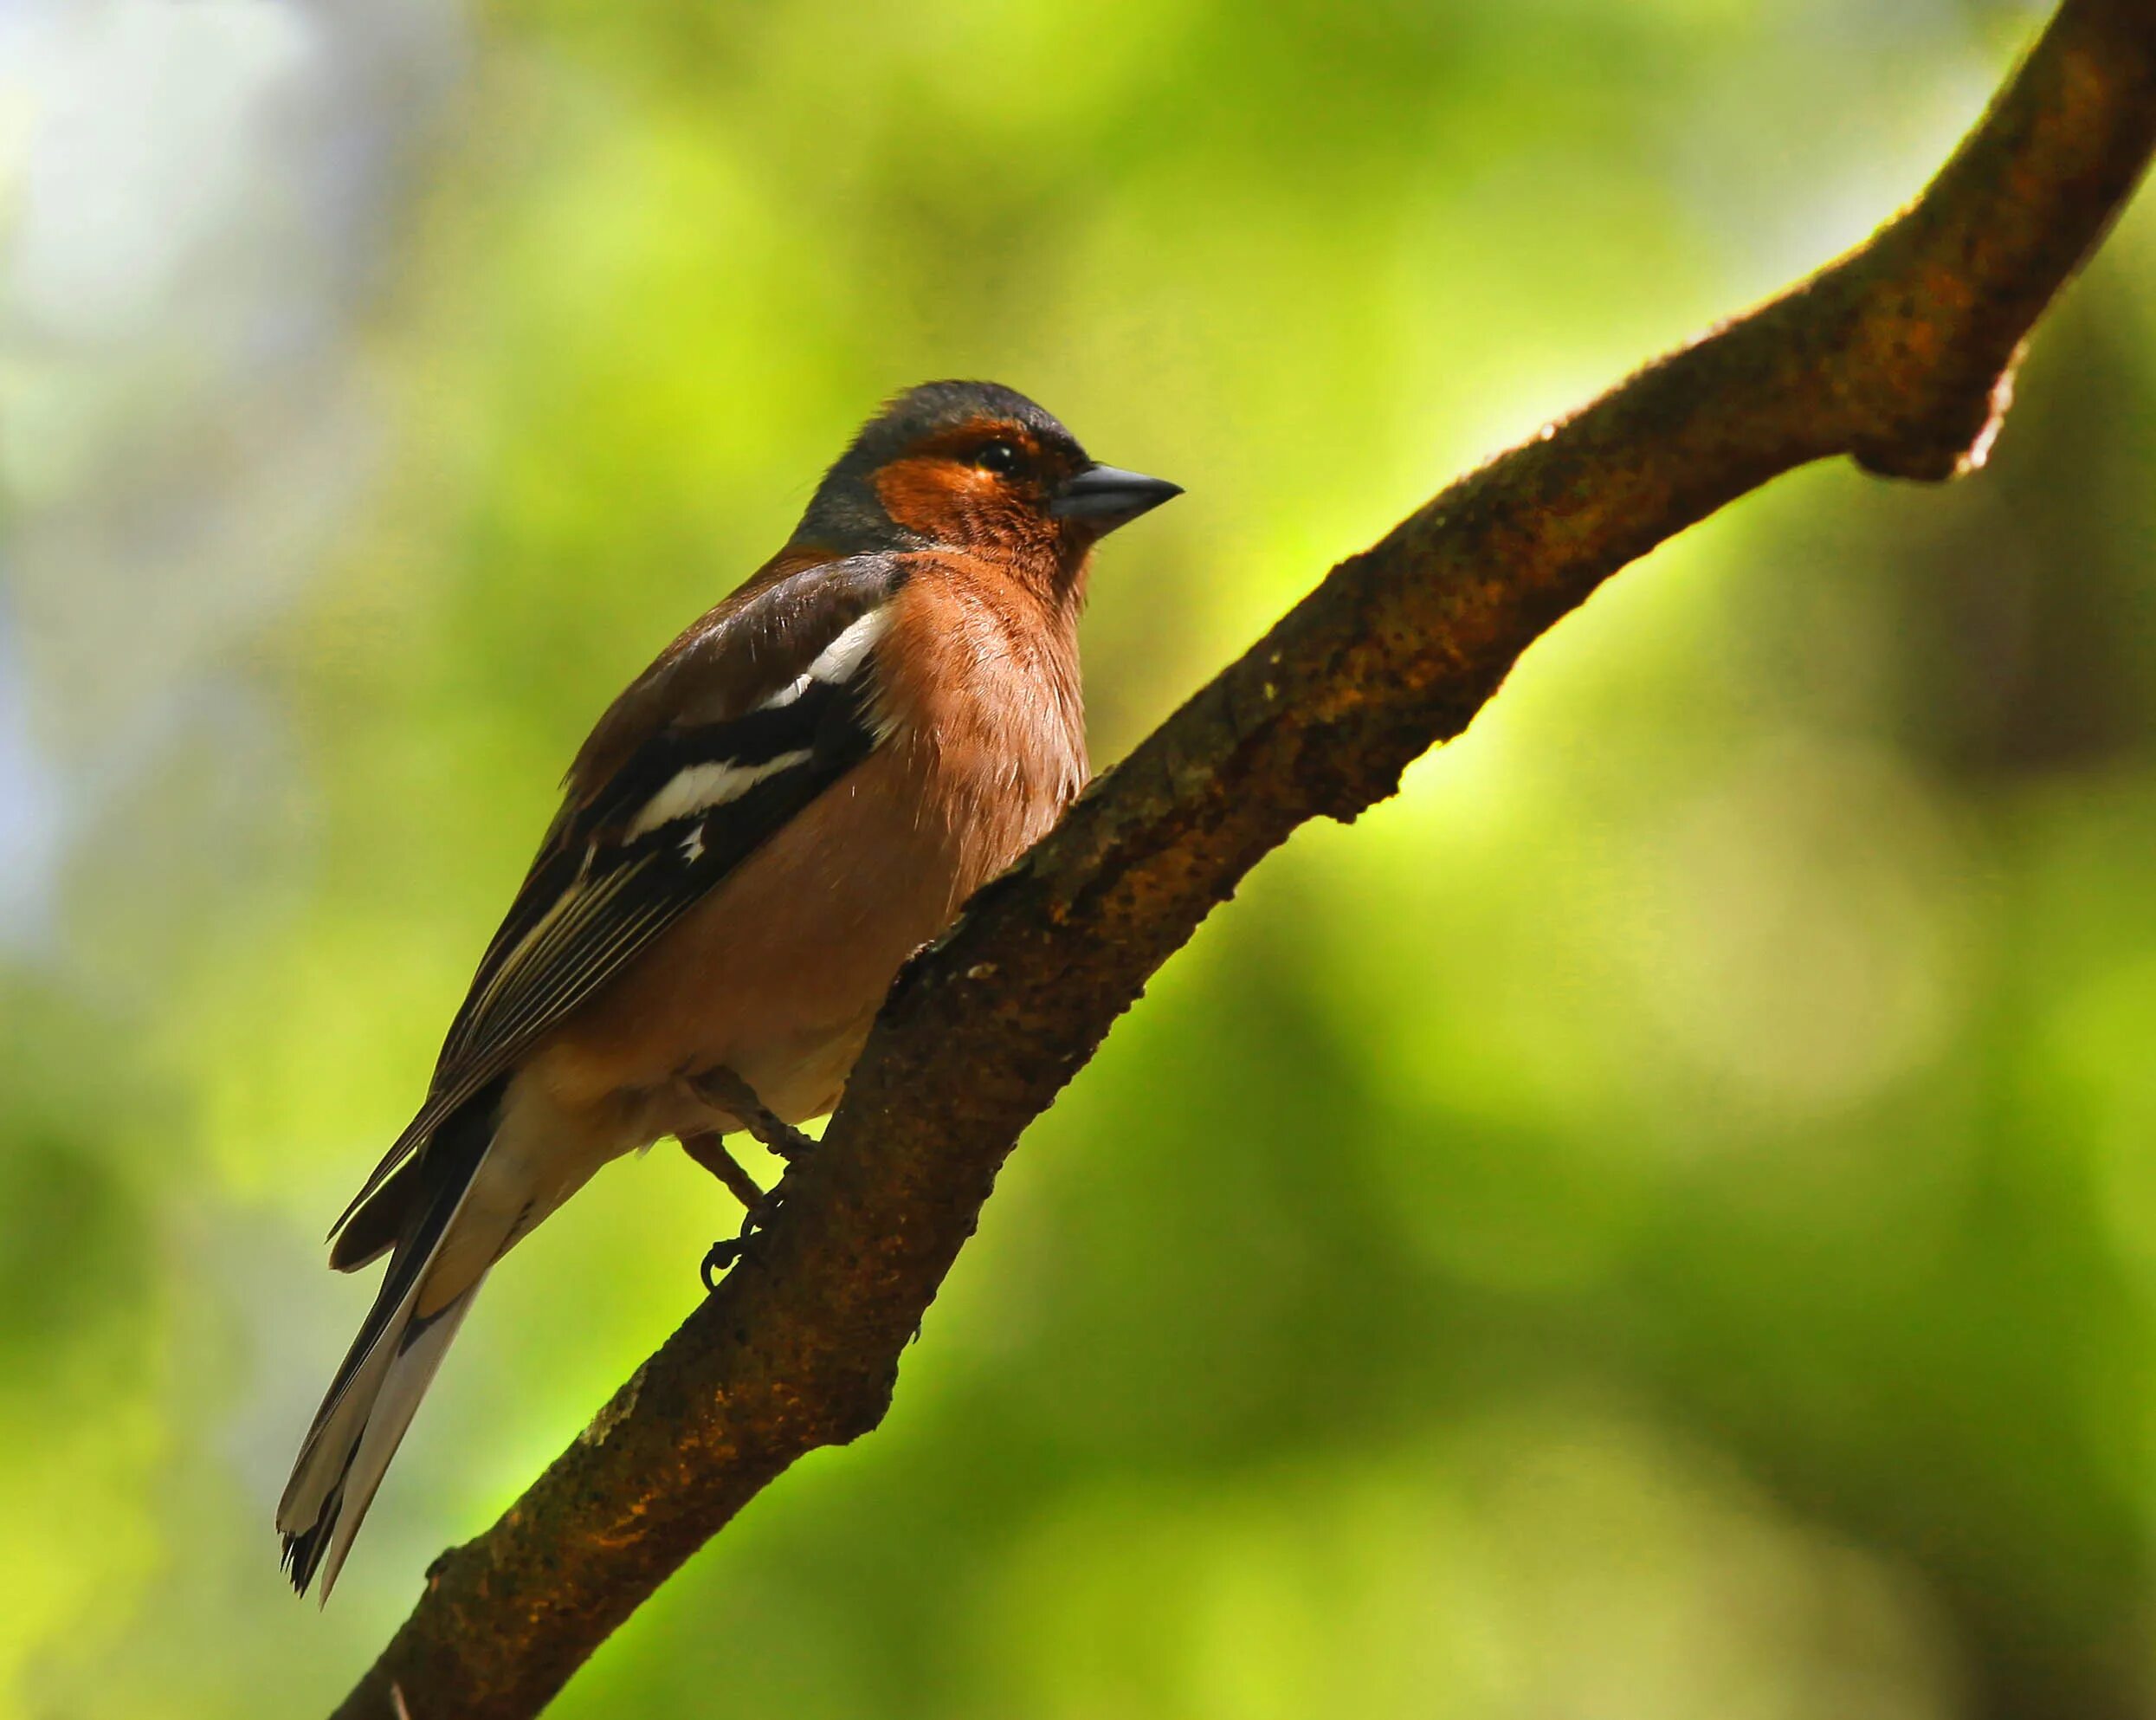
pixel 708 1149
pixel 722 1255
pixel 725 1090
pixel 717 1259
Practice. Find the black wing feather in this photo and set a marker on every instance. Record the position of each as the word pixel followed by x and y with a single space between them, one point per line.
pixel 597 895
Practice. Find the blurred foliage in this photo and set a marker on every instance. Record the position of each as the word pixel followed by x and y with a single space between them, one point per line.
pixel 1658 1220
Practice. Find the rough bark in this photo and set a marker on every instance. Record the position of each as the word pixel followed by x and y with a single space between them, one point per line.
pixel 1900 354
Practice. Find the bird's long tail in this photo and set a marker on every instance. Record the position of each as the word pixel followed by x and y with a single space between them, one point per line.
pixel 392 1360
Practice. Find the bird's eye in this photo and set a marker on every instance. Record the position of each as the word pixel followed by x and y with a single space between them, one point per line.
pixel 999 457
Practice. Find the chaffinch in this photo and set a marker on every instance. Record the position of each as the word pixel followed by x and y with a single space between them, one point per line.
pixel 798 794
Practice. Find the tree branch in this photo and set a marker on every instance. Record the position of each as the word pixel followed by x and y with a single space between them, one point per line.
pixel 1900 354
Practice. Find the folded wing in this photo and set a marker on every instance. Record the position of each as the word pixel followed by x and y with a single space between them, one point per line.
pixel 778 685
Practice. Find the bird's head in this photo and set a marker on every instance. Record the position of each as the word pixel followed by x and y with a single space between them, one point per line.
pixel 978 467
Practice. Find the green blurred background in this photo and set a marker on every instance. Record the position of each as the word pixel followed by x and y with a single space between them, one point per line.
pixel 1659 1220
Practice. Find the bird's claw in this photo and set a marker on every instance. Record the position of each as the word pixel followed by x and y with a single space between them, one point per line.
pixel 728 1092
pixel 717 1259
pixel 723 1255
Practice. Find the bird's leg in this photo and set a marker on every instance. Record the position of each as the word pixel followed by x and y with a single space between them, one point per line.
pixel 726 1091
pixel 709 1148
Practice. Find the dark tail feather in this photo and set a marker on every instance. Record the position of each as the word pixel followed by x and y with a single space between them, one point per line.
pixel 370 1401
pixel 384 1219
pixel 303 1552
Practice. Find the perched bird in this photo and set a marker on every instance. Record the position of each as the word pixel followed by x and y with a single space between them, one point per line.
pixel 798 794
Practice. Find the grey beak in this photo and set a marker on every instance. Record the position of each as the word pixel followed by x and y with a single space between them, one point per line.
pixel 1110 497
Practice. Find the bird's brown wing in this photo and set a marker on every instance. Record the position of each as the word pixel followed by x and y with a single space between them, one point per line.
pixel 746 720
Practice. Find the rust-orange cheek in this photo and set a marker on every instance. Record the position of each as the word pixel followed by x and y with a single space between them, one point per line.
pixel 948 502
pixel 935 497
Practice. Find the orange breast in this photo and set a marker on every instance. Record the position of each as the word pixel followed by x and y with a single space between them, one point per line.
pixel 777 973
